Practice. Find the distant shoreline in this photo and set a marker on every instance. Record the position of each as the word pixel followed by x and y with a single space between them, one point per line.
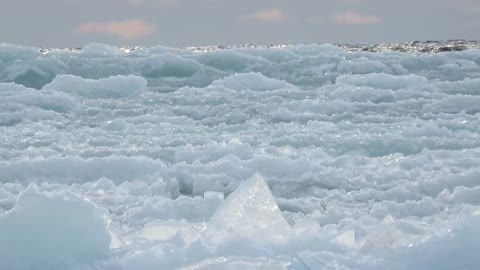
pixel 429 46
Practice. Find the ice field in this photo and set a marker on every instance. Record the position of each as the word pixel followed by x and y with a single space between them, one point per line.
pixel 310 157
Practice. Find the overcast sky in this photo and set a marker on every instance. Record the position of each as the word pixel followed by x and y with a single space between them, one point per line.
pixel 69 23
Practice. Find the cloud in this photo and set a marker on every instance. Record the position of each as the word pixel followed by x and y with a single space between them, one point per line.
pixel 352 17
pixel 269 15
pixel 128 29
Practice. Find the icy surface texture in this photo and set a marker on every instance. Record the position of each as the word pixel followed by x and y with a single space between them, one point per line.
pixel 287 157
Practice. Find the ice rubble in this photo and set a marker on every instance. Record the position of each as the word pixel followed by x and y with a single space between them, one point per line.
pixel 75 169
pixel 112 87
pixel 101 50
pixel 253 82
pixel 452 248
pixel 19 103
pixel 383 81
pixel 370 157
pixel 52 232
pixel 456 104
pixel 248 223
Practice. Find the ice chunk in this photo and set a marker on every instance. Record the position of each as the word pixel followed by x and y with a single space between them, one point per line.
pixel 51 232
pixel 384 81
pixel 467 87
pixel 240 263
pixel 363 94
pixel 252 81
pixel 18 103
pixel 112 87
pixel 229 60
pixel 31 76
pixel 75 169
pixel 15 51
pixel 455 104
pixel 363 66
pixel 56 102
pixel 467 195
pixel 273 54
pixel 310 260
pixel 386 235
pixel 456 248
pixel 169 65
pixel 167 230
pixel 159 49
pixel 214 195
pixel 115 125
pixel 347 238
pixel 97 49
pixel 250 212
pixel 13 94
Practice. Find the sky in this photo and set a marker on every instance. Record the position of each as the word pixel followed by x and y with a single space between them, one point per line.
pixel 178 23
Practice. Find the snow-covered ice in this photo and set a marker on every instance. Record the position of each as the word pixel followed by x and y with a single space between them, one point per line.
pixel 297 157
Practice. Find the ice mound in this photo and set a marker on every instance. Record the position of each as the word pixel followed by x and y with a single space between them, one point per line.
pixel 112 87
pixel 383 81
pixel 19 103
pixel 78 170
pixel 26 66
pixel 168 65
pixel 466 87
pixel 230 60
pixel 97 49
pixel 11 51
pixel 363 94
pixel 34 76
pixel 11 93
pixel 455 104
pixel 273 54
pixel 252 81
pixel 250 212
pixel 455 248
pixel 51 232
pixel 115 125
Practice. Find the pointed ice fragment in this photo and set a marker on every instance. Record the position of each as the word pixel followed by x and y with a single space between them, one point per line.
pixel 250 212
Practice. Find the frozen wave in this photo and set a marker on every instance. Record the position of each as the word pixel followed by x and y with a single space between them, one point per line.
pixel 290 157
